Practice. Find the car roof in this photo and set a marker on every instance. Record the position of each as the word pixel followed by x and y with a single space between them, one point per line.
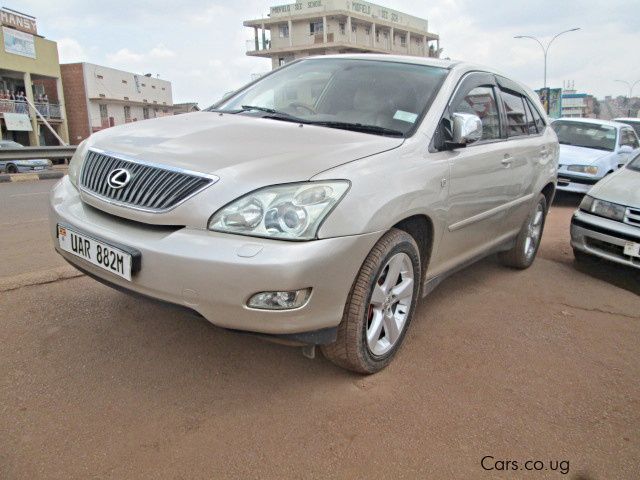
pixel 594 121
pixel 627 120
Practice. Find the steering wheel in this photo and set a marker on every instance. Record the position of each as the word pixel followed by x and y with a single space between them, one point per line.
pixel 301 106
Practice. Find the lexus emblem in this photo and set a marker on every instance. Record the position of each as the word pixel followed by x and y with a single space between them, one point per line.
pixel 118 178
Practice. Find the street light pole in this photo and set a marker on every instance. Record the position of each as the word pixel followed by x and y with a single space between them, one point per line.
pixel 631 86
pixel 545 49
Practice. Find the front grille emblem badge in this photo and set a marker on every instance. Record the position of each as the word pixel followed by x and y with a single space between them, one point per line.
pixel 119 178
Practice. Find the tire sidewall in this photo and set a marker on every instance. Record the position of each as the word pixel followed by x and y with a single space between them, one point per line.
pixel 408 247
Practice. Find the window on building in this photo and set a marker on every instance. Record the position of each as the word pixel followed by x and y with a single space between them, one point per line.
pixel 99 76
pixel 104 113
pixel 283 30
pixel 281 61
pixel 126 98
pixel 516 116
pixel 354 28
pixel 316 27
pixel 127 113
pixel 367 30
pixel 145 112
pixel 481 101
pixel 403 40
pixel 124 81
pixel 143 84
pixel 341 27
pixel 101 95
pixel 153 86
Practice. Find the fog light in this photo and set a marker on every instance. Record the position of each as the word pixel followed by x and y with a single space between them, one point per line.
pixel 280 300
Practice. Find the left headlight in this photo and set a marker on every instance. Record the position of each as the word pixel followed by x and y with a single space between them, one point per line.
pixel 75 165
pixel 602 208
pixel 289 212
pixel 589 169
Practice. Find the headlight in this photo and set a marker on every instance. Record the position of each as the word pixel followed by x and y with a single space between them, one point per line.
pixel 590 169
pixel 289 212
pixel 602 208
pixel 75 165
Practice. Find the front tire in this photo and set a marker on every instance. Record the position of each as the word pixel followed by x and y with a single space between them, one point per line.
pixel 524 252
pixel 380 305
pixel 11 168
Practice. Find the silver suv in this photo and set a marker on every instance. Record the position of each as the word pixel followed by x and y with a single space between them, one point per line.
pixel 317 204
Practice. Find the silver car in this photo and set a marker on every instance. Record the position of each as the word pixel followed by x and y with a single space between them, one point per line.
pixel 607 224
pixel 317 204
pixel 21 166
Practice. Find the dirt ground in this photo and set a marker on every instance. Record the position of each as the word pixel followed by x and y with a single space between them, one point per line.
pixel 501 365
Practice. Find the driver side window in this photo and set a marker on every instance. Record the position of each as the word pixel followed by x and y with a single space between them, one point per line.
pixel 481 101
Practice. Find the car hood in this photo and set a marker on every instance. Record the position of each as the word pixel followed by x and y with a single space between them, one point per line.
pixel 620 187
pixel 241 146
pixel 572 155
pixel 245 152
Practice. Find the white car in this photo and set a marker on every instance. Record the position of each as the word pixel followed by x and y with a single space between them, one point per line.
pixel 607 224
pixel 590 150
pixel 632 122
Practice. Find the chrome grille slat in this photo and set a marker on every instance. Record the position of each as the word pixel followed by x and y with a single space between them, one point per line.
pixel 632 216
pixel 152 188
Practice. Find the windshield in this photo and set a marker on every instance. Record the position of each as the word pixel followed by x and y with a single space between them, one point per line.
pixel 588 135
pixel 635 163
pixel 387 96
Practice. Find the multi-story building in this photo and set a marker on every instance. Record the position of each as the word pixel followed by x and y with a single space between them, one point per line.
pixel 30 83
pixel 577 105
pixel 99 97
pixel 318 27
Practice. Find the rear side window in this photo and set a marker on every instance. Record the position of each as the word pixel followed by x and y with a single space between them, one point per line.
pixel 537 118
pixel 531 124
pixel 481 101
pixel 516 116
pixel 629 138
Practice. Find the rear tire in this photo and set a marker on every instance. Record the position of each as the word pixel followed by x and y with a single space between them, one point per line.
pixel 11 168
pixel 524 252
pixel 380 305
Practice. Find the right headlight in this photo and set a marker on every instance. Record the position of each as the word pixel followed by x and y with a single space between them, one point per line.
pixel 602 208
pixel 589 169
pixel 75 165
pixel 288 212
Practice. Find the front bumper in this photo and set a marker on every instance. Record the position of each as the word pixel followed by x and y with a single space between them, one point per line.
pixel 215 274
pixel 603 237
pixel 576 184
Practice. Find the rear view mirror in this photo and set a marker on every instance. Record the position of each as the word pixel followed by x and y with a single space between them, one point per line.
pixel 467 128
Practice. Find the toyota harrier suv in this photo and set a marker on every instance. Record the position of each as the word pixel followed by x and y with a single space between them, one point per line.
pixel 317 204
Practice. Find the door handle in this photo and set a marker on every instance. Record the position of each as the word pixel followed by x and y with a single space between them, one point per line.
pixel 507 160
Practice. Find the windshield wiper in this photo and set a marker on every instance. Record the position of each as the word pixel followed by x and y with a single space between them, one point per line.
pixel 273 113
pixel 359 127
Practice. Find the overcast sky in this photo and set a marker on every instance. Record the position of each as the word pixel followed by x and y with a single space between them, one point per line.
pixel 200 45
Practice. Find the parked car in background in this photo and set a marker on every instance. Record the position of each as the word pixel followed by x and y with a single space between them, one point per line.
pixel 590 150
pixel 632 122
pixel 21 166
pixel 319 203
pixel 607 224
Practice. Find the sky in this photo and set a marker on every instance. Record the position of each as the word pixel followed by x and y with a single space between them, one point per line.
pixel 200 45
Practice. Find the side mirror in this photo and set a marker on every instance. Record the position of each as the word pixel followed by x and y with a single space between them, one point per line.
pixel 625 149
pixel 467 128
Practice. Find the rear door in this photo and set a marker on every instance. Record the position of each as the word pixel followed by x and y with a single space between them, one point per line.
pixel 627 137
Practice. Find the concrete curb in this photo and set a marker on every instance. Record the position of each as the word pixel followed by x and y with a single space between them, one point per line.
pixel 30 177
pixel 8 284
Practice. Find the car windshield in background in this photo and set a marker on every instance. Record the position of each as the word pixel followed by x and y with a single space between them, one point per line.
pixel 635 163
pixel 588 135
pixel 371 96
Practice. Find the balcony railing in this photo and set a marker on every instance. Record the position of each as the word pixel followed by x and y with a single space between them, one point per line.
pixel 47 110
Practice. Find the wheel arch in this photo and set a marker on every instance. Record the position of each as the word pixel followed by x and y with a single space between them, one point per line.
pixel 549 192
pixel 420 227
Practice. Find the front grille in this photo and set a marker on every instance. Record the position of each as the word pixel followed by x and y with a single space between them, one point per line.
pixel 153 188
pixel 632 216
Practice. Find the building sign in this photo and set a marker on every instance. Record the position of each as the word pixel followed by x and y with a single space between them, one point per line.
pixel 18 43
pixel 19 21
pixel 551 99
pixel 18 122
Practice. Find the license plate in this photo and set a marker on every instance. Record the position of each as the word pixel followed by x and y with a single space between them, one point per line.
pixel 94 251
pixel 632 249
